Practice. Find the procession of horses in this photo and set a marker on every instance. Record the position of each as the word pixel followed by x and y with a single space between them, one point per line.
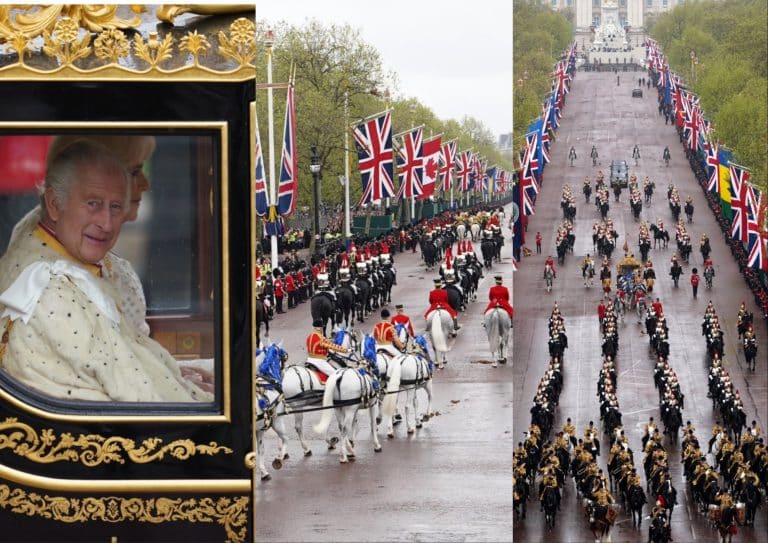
pixel 371 376
pixel 548 456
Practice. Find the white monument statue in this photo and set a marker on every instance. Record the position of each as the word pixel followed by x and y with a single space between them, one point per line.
pixel 610 34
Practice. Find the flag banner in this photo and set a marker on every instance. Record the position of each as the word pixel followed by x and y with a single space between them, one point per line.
pixel 489 180
pixel 714 168
pixel 431 151
pixel 463 170
pixel 260 185
pixel 724 161
pixel 287 189
pixel 373 140
pixel 758 251
pixel 410 164
pixel 447 162
pixel 739 201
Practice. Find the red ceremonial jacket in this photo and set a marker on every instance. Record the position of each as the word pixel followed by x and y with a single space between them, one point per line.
pixel 438 298
pixel 278 286
pixel 290 284
pixel 404 320
pixel 384 332
pixel 499 295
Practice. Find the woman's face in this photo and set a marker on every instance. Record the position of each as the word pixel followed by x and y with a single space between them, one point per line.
pixel 139 181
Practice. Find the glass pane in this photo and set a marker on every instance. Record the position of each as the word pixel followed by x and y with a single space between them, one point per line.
pixel 159 342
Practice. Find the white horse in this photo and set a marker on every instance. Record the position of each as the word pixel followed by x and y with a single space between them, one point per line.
pixel 415 373
pixel 642 309
pixel 461 232
pixel 588 273
pixel 619 308
pixel 549 275
pixel 497 325
pixel 440 327
pixel 348 390
pixel 303 388
pixel 269 408
pixel 474 230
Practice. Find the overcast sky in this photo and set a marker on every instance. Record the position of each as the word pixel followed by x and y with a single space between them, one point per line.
pixel 468 46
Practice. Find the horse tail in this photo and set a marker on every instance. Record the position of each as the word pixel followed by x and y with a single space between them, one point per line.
pixel 330 386
pixel 436 331
pixel 493 326
pixel 390 401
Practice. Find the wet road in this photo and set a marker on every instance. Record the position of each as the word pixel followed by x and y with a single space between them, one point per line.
pixel 600 113
pixel 450 481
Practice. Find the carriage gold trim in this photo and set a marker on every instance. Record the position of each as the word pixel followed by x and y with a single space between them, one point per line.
pixel 91 450
pixel 229 511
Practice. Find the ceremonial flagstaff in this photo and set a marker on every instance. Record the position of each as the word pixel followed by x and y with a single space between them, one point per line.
pixel 289 173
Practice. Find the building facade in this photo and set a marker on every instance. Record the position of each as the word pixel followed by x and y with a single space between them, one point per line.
pixel 631 12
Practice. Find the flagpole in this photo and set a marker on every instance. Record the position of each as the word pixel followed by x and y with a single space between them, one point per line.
pixel 347 218
pixel 271 132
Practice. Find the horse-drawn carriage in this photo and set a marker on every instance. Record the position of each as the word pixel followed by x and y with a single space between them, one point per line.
pixel 628 264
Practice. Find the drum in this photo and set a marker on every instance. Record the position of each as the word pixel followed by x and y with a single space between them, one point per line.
pixel 741 512
pixel 714 512
pixel 610 515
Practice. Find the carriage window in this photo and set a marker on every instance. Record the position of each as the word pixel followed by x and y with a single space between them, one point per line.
pixel 141 326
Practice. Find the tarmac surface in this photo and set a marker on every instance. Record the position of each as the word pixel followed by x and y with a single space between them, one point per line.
pixel 601 113
pixel 450 481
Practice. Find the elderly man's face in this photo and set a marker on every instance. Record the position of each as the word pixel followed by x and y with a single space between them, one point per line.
pixel 88 223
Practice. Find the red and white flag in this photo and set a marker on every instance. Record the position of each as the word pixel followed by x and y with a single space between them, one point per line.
pixel 431 153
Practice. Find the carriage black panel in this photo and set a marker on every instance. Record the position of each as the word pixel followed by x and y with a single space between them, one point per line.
pixel 137 101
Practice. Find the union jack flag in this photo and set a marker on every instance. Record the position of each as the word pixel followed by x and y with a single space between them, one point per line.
pixel 260 184
pixel 739 202
pixel 758 251
pixel 410 164
pixel 714 163
pixel 289 171
pixel 447 160
pixel 463 170
pixel 373 140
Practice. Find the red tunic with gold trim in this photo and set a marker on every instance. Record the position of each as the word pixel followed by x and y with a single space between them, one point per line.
pixel 318 345
pixel 404 320
pixel 384 332
pixel 499 296
pixel 438 298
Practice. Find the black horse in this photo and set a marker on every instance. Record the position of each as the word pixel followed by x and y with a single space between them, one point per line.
pixel 750 353
pixel 429 253
pixel 323 307
pixel 676 271
pixel 261 318
pixel 660 237
pixel 659 530
pixel 689 211
pixel 645 247
pixel 549 501
pixel 345 304
pixel 520 497
pixel 363 298
pixel 587 190
pixel 636 498
pixel 648 190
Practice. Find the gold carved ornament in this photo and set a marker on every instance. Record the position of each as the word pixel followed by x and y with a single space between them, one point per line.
pixel 232 513
pixel 62 41
pixel 93 450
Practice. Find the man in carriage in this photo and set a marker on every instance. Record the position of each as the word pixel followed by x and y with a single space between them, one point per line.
pixel 385 335
pixel 401 319
pixel 319 348
pixel 438 299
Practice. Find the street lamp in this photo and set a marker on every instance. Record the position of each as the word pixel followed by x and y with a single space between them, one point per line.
pixel 314 167
pixel 694 62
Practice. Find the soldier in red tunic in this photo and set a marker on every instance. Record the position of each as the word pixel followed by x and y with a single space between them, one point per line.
pixel 290 287
pixel 402 319
pixel 438 299
pixel 499 297
pixel 386 336
pixel 318 347
pixel 277 285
